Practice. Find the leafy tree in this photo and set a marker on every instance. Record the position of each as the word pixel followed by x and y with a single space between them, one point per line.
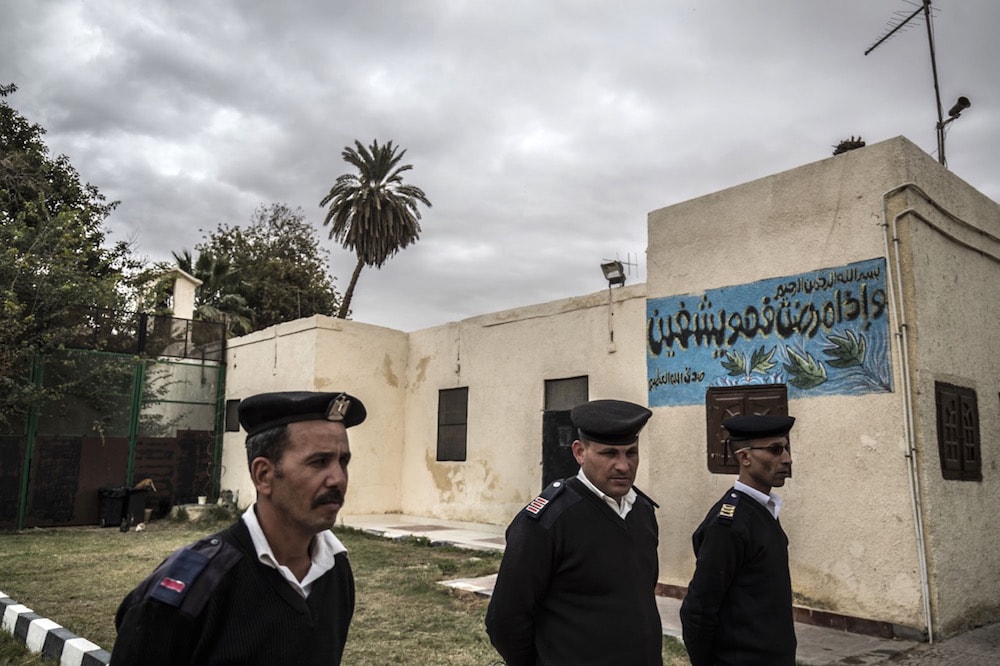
pixel 373 212
pixel 276 265
pixel 59 280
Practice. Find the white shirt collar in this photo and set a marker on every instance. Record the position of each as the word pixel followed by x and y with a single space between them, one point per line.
pixel 628 499
pixel 770 501
pixel 325 548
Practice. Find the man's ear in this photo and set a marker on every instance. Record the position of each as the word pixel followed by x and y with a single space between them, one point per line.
pixel 262 474
pixel 578 451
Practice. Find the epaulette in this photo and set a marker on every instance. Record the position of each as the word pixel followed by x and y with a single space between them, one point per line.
pixel 728 509
pixel 205 561
pixel 645 497
pixel 536 506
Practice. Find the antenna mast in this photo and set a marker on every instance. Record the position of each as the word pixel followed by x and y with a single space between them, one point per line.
pixel 963 102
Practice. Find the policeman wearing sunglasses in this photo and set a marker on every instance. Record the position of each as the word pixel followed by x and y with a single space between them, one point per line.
pixel 738 608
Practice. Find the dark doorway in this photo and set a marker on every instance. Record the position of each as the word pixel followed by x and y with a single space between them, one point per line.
pixel 558 433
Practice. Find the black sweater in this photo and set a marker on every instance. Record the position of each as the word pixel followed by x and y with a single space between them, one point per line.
pixel 577 585
pixel 233 610
pixel 738 608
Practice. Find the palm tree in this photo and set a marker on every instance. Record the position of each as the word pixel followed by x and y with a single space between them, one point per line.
pixel 372 212
pixel 215 299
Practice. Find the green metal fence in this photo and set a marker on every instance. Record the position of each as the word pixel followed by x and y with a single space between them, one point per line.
pixel 123 407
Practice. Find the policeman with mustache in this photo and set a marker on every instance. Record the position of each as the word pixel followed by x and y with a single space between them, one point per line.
pixel 275 587
pixel 577 582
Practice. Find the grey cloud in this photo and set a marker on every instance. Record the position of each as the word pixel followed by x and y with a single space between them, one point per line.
pixel 542 132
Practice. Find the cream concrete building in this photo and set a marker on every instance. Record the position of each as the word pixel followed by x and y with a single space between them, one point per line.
pixel 856 293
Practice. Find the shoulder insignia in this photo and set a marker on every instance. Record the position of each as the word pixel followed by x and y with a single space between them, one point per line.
pixel 535 507
pixel 178 574
pixel 728 509
pixel 645 497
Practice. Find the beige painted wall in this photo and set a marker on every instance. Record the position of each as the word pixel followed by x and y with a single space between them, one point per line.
pixel 185 286
pixel 327 354
pixel 848 515
pixel 951 271
pixel 504 359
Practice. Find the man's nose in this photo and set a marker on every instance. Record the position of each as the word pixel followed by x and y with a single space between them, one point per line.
pixel 336 477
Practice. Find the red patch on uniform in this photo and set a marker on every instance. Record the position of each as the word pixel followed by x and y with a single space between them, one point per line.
pixel 536 505
pixel 173 584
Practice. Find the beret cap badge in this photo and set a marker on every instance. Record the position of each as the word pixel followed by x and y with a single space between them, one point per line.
pixel 269 410
pixel 338 408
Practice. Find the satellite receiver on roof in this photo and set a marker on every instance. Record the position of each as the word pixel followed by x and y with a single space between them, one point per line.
pixel 962 104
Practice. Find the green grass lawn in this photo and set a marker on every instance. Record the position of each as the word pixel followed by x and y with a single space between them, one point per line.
pixel 78 576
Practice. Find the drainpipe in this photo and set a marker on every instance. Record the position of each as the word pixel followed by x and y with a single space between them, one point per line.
pixel 902 334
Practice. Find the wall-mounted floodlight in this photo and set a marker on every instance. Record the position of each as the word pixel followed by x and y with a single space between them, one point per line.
pixel 614 273
pixel 961 105
pixel 954 112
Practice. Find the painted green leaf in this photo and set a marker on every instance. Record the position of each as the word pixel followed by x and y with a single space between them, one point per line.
pixel 761 361
pixel 847 350
pixel 804 371
pixel 735 364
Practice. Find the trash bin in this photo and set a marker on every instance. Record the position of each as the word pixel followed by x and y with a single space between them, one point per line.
pixel 122 506
pixel 136 511
pixel 113 505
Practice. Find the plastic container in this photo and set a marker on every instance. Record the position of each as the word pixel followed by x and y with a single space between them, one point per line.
pixel 135 511
pixel 113 502
pixel 122 506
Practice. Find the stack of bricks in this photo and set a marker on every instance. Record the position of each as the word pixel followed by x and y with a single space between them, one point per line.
pixel 44 636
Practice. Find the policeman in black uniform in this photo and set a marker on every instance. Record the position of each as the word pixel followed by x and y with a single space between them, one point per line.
pixel 276 586
pixel 738 608
pixel 578 576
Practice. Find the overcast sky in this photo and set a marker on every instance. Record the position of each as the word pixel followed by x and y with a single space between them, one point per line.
pixel 543 131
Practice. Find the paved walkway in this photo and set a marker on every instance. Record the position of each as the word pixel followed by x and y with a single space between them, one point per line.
pixel 818 646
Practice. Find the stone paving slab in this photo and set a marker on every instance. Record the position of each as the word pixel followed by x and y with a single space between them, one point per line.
pixel 818 646
pixel 979 647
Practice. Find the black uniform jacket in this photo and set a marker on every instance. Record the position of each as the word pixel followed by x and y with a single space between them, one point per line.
pixel 577 583
pixel 738 608
pixel 214 603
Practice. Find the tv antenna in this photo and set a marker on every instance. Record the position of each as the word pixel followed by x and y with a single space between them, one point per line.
pixel 963 102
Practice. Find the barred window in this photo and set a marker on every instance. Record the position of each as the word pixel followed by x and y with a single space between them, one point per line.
pixel 722 402
pixel 958 432
pixel 453 413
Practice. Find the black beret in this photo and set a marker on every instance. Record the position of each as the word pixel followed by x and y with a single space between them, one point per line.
pixel 613 422
pixel 752 426
pixel 269 410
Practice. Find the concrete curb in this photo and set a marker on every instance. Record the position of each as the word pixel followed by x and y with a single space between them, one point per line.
pixel 41 635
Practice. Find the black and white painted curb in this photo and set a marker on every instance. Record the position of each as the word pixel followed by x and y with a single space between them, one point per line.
pixel 44 636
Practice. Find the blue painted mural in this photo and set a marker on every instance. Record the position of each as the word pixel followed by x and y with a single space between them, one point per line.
pixel 822 333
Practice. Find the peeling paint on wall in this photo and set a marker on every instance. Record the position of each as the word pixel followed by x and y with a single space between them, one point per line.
pixel 387 372
pixel 422 366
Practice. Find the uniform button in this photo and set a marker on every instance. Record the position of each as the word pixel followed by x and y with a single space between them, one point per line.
pixel 214 542
pixel 557 484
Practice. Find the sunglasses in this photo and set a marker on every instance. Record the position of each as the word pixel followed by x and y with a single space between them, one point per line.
pixel 773 449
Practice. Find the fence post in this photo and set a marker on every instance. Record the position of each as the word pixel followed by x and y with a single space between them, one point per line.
pixel 220 428
pixel 138 380
pixel 31 430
